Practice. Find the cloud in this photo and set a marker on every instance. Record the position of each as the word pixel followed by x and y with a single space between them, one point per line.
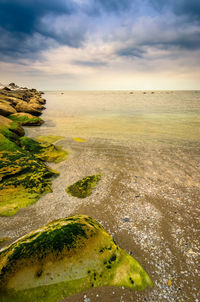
pixel 77 38
pixel 190 8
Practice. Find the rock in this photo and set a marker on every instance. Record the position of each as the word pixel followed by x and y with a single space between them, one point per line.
pixel 66 256
pixel 44 151
pixel 83 188
pixel 23 177
pixel 26 119
pixel 6 109
pixel 10 129
pixel 22 106
pixel 35 104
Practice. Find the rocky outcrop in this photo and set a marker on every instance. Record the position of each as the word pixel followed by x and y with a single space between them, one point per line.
pixel 15 99
pixel 26 119
pixel 6 109
pixel 24 176
pixel 28 108
pixel 68 255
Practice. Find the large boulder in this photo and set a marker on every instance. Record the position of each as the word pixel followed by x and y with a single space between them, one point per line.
pixel 6 109
pixel 22 106
pixel 66 256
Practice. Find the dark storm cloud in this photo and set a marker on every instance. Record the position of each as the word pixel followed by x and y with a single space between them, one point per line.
pixel 29 26
pixel 189 8
pixel 22 16
pixel 21 28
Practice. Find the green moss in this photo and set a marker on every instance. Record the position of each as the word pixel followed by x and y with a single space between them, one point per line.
pixel 83 188
pixel 2 240
pixel 23 177
pixel 26 120
pixel 14 198
pixel 44 151
pixel 61 259
pixel 79 139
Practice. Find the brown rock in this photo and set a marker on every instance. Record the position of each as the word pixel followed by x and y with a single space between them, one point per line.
pixel 29 108
pixel 5 108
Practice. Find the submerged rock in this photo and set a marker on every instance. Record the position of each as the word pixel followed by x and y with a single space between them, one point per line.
pixel 83 188
pixel 65 257
pixel 44 151
pixel 23 177
pixel 26 119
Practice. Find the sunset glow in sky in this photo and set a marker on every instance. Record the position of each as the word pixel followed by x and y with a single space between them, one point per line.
pixel 100 44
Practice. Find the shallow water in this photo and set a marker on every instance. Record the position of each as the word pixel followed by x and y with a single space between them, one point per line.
pixel 147 145
pixel 162 116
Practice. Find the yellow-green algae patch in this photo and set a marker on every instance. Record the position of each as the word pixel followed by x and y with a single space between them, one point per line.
pixel 23 177
pixel 43 150
pixel 83 188
pixel 67 256
pixel 79 139
pixel 48 138
pixel 2 240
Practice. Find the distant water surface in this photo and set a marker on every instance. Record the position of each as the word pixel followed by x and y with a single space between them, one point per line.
pixel 169 116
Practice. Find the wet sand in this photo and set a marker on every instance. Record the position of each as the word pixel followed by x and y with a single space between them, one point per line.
pixel 148 199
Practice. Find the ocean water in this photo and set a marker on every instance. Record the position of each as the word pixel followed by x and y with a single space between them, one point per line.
pixel 162 116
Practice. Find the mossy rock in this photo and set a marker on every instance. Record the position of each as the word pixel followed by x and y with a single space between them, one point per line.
pixel 44 151
pixel 23 177
pixel 83 188
pixel 26 119
pixel 10 129
pixel 65 257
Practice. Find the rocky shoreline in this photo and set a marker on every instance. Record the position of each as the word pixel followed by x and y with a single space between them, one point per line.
pixel 24 176
pixel 68 255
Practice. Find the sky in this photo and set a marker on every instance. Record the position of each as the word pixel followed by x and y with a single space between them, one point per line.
pixel 100 44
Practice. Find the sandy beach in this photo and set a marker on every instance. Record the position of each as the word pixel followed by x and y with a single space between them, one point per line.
pixel 147 147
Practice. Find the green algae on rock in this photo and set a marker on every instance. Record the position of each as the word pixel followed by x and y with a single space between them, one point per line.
pixel 79 139
pixel 26 119
pixel 23 177
pixel 83 188
pixel 67 256
pixel 10 129
pixel 44 151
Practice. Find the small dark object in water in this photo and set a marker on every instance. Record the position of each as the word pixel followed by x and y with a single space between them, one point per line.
pixel 126 219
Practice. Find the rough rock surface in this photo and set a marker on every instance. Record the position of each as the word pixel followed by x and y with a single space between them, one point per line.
pixel 26 119
pixel 29 108
pixel 6 109
pixel 24 176
pixel 67 256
